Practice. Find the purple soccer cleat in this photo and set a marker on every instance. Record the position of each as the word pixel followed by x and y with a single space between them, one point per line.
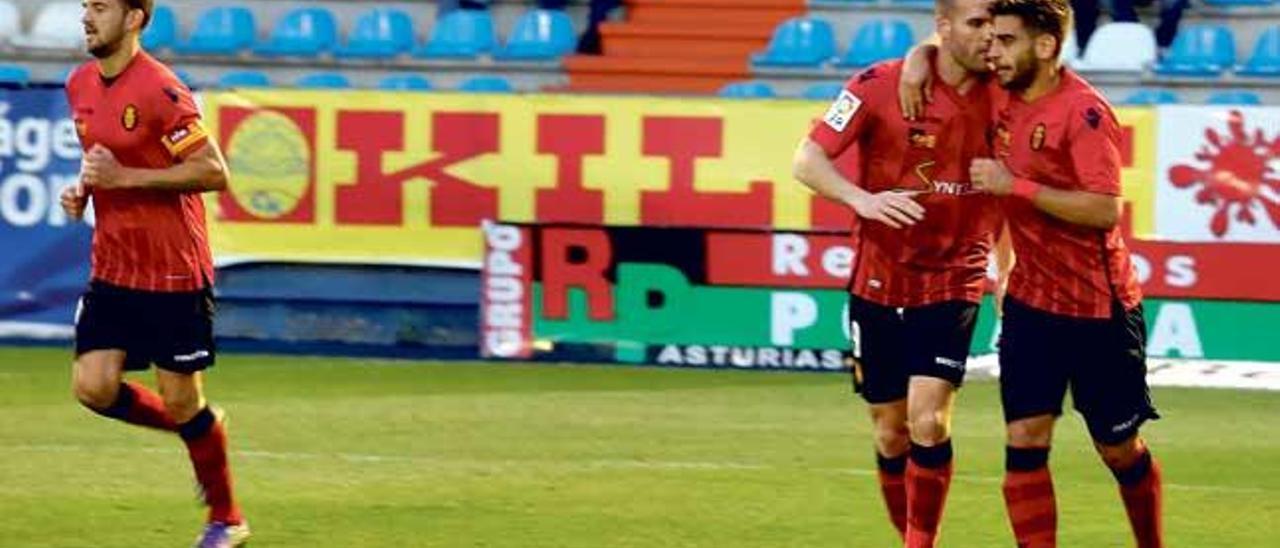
pixel 222 535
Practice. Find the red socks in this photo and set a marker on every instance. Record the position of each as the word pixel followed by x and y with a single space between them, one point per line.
pixel 1028 496
pixel 206 441
pixel 928 480
pixel 135 404
pixel 1141 489
pixel 893 486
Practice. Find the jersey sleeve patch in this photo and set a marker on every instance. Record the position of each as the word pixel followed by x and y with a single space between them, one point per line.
pixel 181 140
pixel 842 110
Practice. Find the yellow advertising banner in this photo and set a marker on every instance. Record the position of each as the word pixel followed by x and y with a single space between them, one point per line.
pixel 387 177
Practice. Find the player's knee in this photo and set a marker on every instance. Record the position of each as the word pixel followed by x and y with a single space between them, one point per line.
pixel 95 395
pixel 181 405
pixel 1122 455
pixel 892 437
pixel 930 427
pixel 1034 432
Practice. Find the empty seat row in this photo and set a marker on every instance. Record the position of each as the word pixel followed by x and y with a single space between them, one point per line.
pixel 1197 51
pixel 1204 51
pixel 336 80
pixel 1166 97
pixel 811 42
pixel 308 32
pixel 19 75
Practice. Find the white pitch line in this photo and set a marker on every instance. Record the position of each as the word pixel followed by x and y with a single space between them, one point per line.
pixel 602 464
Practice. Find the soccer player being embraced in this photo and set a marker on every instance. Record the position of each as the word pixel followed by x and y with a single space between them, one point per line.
pixel 1073 314
pixel 146 161
pixel 923 238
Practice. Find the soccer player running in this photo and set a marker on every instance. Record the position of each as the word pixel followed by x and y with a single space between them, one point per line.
pixel 1073 314
pixel 922 247
pixel 147 159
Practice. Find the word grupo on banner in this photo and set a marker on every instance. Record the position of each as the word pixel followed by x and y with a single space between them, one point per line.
pixel 761 299
pixel 368 176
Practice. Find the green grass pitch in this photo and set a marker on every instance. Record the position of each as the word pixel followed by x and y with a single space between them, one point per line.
pixel 341 452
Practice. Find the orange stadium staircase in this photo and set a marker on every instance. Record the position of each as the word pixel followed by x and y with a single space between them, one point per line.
pixel 679 46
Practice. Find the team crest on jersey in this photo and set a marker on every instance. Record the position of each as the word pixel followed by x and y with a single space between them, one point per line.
pixel 842 111
pixel 129 118
pixel 1037 137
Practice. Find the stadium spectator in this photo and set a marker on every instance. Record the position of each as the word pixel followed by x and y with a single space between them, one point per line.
pixel 1124 11
pixel 447 6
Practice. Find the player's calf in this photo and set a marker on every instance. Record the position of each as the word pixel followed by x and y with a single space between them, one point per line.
pixel 1138 474
pixel 892 440
pixel 930 459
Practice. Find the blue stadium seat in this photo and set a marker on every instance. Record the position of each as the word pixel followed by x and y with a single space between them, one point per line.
pixel 747 90
pixel 460 34
pixel 539 35
pixel 1265 60
pixel 323 80
pixel 877 40
pixel 15 75
pixel 1199 51
pixel 162 31
pixel 244 79
pixel 798 42
pixel 220 31
pixel 1234 97
pixel 405 82
pixel 303 32
pixel 486 84
pixel 823 92
pixel 381 33
pixel 1149 96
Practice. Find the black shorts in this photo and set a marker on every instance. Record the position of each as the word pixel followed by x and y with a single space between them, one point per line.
pixel 174 331
pixel 1103 361
pixel 891 345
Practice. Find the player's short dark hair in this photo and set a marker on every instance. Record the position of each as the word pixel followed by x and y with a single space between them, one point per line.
pixel 145 5
pixel 1052 17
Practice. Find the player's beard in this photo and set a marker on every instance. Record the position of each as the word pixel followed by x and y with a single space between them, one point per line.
pixel 108 44
pixel 1024 72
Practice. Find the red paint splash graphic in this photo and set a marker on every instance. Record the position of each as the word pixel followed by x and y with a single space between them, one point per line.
pixel 1239 170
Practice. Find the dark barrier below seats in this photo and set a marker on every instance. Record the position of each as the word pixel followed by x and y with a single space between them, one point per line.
pixel 386 311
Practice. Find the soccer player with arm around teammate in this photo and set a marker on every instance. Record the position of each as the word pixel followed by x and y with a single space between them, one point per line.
pixel 1073 314
pixel 149 301
pixel 923 238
